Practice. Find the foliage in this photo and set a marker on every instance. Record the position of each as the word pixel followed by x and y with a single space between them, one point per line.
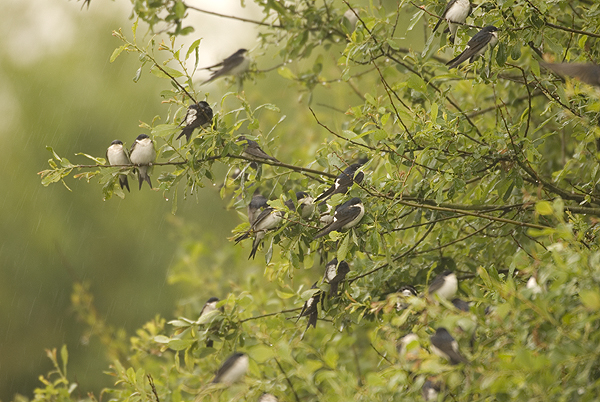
pixel 490 170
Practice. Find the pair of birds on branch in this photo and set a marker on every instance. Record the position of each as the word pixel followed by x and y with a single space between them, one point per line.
pixel 142 154
pixel 262 217
pixel 456 13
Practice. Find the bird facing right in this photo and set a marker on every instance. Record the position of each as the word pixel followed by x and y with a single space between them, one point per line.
pixel 479 43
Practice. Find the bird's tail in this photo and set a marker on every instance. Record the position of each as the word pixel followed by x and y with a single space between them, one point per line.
pixel 124 182
pixel 143 176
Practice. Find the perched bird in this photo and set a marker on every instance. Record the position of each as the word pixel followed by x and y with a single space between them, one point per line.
pixel 235 64
pixel 461 305
pixel 253 150
pixel 306 203
pixel 588 73
pixel 456 13
pixel 346 216
pixel 444 285
pixel 533 286
pixel 233 369
pixel 343 182
pixel 116 154
pixel 198 115
pixel 310 310
pixel 349 19
pixel 255 206
pixel 142 155
pixel 431 390
pixel 444 345
pixel 335 273
pixel 266 397
pixel 269 218
pixel 406 291
pixel 409 347
pixel 478 44
pixel 209 307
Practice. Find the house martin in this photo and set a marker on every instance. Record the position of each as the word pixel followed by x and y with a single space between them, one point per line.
pixel 198 115
pixel 461 305
pixel 256 205
pixel 116 154
pixel 235 64
pixel 588 73
pixel 142 155
pixel 233 369
pixel 444 285
pixel 266 397
pixel 269 218
pixel 477 46
pixel 306 203
pixel 346 216
pixel 343 182
pixel 431 390
pixel 310 310
pixel 253 150
pixel 444 345
pixel 456 13
pixel 335 273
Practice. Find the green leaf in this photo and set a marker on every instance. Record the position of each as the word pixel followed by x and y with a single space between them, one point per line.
pixel 116 53
pixel 543 208
pixel 64 356
pixel 342 250
pixel 590 299
pixel 193 47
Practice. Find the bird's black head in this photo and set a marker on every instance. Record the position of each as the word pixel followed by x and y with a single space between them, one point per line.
pixel 119 142
pixel 333 262
pixel 407 289
pixel 141 137
pixel 490 28
pixel 212 300
pixel 447 273
pixel 442 331
pixel 241 51
pixel 354 201
pixel 301 195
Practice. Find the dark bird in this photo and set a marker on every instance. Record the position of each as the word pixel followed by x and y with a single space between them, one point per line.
pixel 588 73
pixel 209 307
pixel 142 155
pixel 233 369
pixel 335 273
pixel 431 390
pixel 444 285
pixel 477 46
pixel 456 13
pixel 198 115
pixel 255 206
pixel 306 203
pixel 343 182
pixel 346 216
pixel 269 218
pixel 444 345
pixel 235 64
pixel 310 310
pixel 253 150
pixel 461 305
pixel 116 154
